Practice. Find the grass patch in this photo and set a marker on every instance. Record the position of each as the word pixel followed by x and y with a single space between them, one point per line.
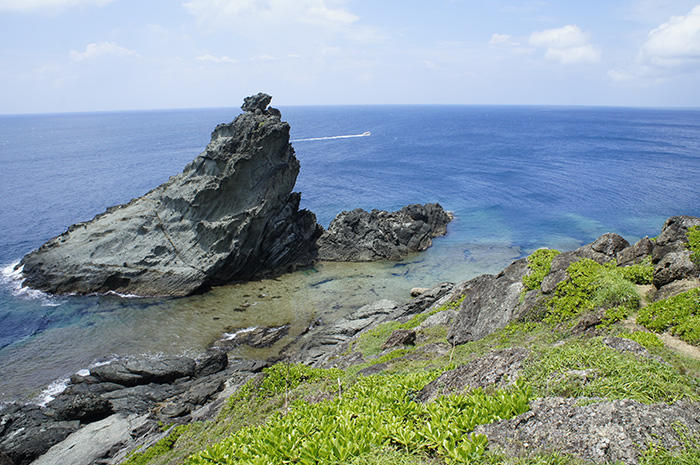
pixel 160 448
pixel 679 314
pixel 539 262
pixel 615 375
pixel 370 342
pixel 375 411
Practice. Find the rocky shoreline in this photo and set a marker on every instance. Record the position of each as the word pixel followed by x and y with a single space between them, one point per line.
pixel 120 405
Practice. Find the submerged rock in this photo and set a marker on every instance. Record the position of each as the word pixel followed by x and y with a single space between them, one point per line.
pixel 230 215
pixel 362 236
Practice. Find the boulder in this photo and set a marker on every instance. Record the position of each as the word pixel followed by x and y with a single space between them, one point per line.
pixel 84 406
pixel 212 361
pixel 361 236
pixel 670 253
pixel 26 432
pixel 635 253
pixel 499 368
pixel 400 337
pixel 491 301
pixel 138 371
pixel 229 216
pixel 603 432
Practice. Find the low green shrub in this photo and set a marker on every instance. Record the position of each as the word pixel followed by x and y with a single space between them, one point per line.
pixel 589 286
pixel 376 411
pixel 694 244
pixel 679 314
pixel 283 377
pixel 612 374
pixel 640 273
pixel 539 262
pixel 687 454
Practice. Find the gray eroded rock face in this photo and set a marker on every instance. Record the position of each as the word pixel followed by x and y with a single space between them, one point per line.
pixel 491 302
pixel 361 236
pixel 606 431
pixel 670 254
pixel 230 215
pixel 499 368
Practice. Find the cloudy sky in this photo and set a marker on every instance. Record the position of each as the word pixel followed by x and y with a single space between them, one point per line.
pixel 84 55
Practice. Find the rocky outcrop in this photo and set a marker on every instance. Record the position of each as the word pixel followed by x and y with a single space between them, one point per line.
pixel 499 368
pixel 107 401
pixel 230 215
pixel 361 236
pixel 671 255
pixel 606 431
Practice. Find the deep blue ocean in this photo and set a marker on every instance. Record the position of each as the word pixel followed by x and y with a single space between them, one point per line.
pixel 516 178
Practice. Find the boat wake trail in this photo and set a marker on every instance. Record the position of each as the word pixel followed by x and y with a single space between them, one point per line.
pixel 347 136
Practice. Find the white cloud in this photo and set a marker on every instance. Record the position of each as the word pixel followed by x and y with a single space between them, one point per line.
pixel 671 49
pixel 95 50
pixel 567 45
pixel 319 12
pixel 30 5
pixel 675 42
pixel 209 58
pixel 501 39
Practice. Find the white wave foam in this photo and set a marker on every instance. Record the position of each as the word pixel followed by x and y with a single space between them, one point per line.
pixel 124 296
pixel 52 390
pixel 347 136
pixel 232 336
pixel 11 275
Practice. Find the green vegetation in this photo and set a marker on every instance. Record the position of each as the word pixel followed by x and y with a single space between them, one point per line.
pixel 679 314
pixel 694 244
pixel 615 375
pixel 375 411
pixel 370 342
pixel 284 377
pixel 687 454
pixel 591 285
pixel 157 449
pixel 644 338
pixel 640 273
pixel 539 262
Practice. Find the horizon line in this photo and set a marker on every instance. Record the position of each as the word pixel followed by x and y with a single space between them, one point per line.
pixel 549 105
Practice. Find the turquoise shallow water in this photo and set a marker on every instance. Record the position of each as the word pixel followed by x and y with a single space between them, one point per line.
pixel 517 178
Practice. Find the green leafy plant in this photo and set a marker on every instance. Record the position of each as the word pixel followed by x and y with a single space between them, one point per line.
pixel 694 244
pixel 159 448
pixel 540 263
pixel 645 338
pixel 679 314
pixel 376 411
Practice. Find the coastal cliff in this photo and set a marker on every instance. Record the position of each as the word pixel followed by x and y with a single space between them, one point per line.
pixel 584 356
pixel 229 216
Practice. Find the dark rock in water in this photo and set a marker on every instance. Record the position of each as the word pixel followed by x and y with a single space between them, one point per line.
pixel 138 371
pixel 607 431
pixel 230 215
pixel 361 236
pixel 499 368
pixel 140 399
pixel 26 432
pixel 671 255
pixel 400 337
pixel 212 361
pixel 83 406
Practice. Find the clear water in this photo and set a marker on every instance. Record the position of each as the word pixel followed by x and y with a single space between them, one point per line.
pixel 517 178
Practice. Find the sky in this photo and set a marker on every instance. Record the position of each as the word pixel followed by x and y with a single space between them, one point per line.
pixel 103 55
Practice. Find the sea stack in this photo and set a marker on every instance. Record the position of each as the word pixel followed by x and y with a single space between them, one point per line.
pixel 229 216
